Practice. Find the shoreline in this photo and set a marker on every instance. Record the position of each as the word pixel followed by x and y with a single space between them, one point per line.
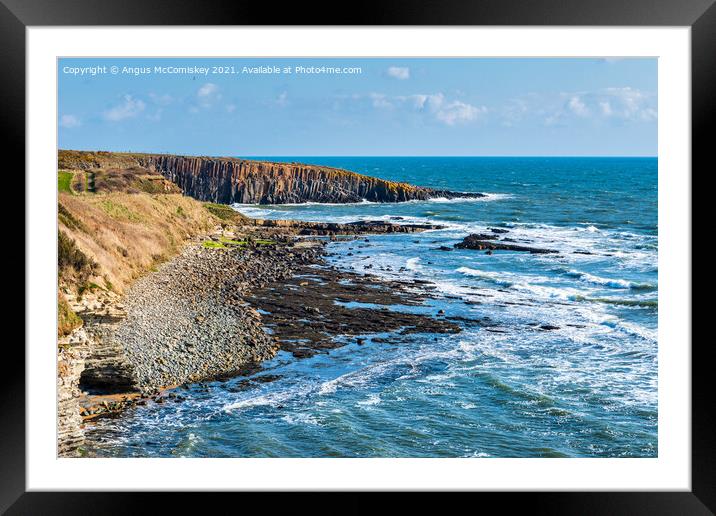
pixel 170 328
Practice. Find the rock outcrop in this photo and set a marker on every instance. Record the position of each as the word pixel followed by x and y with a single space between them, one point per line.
pixel 107 368
pixel 70 363
pixel 233 180
pixel 481 242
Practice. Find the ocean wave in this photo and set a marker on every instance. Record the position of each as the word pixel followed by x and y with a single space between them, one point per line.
pixel 253 211
pixel 638 303
pixel 371 400
pixel 413 264
pixel 299 418
pixel 607 282
pixel 614 323
pixel 531 284
pixel 634 329
pixel 489 276
pixel 272 399
pixel 632 248
pixel 487 197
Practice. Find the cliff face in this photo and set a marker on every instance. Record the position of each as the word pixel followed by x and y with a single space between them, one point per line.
pixel 226 180
pixel 70 363
pixel 230 180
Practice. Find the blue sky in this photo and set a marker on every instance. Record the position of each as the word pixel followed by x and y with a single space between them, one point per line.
pixel 392 107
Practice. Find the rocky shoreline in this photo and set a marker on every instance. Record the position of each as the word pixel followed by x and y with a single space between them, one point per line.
pixel 227 302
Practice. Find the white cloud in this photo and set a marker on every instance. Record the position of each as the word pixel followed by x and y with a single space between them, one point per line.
pixel 606 108
pixel 399 72
pixel 615 105
pixel 631 104
pixel 459 112
pixel 208 95
pixel 449 112
pixel 434 105
pixel 208 89
pixel 577 106
pixel 380 101
pixel 69 121
pixel 626 104
pixel 282 99
pixel 130 107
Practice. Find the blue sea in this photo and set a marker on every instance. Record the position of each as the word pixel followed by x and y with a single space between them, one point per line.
pixel 586 389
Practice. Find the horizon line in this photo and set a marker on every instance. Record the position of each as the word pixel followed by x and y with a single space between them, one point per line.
pixel 249 156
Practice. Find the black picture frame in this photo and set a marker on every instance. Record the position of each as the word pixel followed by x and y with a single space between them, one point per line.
pixel 700 15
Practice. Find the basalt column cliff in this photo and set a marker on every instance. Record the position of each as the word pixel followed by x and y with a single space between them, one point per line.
pixel 227 180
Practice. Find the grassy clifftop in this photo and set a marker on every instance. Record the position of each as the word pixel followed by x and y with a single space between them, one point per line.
pixel 125 235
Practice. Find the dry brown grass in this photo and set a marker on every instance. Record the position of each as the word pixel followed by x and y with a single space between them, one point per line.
pixel 89 160
pixel 129 234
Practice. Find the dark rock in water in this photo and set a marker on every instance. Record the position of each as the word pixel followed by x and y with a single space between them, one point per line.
pixel 497 230
pixel 444 248
pixel 582 252
pixel 304 333
pixel 489 252
pixel 475 241
pixel 549 327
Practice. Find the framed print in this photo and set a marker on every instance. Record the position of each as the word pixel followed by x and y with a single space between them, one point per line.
pixel 442 249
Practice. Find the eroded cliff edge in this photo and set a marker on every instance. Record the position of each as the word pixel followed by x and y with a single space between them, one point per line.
pixel 233 180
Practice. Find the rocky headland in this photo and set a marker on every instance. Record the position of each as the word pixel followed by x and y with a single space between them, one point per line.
pixel 233 180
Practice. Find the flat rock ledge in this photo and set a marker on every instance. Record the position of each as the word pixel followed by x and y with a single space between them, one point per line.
pixel 359 227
